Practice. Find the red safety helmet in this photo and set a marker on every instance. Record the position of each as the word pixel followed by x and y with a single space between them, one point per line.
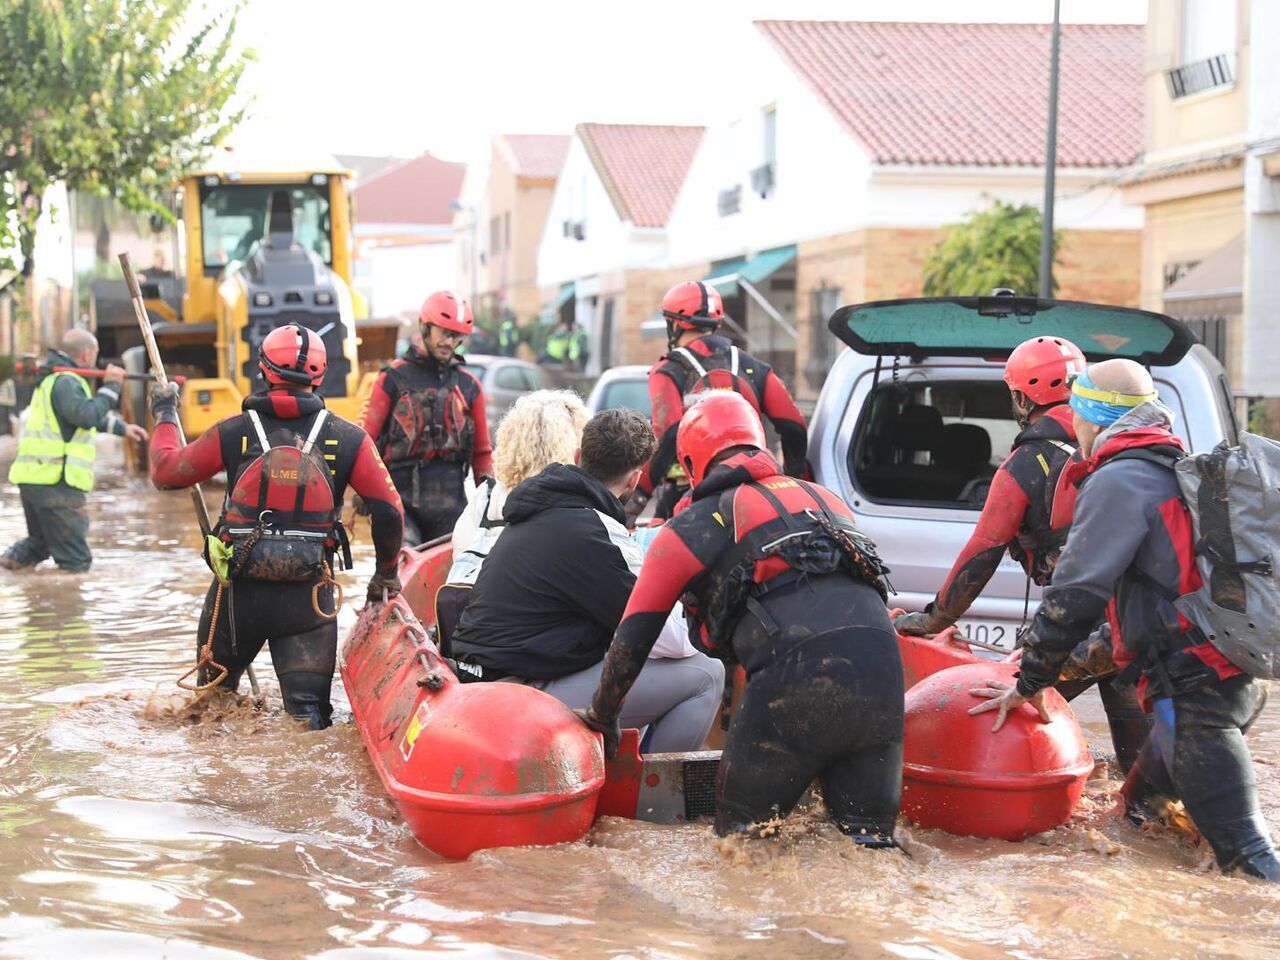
pixel 292 354
pixel 716 421
pixel 693 305
pixel 444 308
pixel 1041 368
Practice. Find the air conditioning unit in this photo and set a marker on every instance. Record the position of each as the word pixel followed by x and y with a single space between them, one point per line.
pixel 579 231
pixel 762 179
pixel 567 226
pixel 730 201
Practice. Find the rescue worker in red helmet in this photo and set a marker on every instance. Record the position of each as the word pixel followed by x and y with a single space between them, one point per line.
pixel 774 577
pixel 288 462
pixel 700 358
pixel 427 416
pixel 1023 516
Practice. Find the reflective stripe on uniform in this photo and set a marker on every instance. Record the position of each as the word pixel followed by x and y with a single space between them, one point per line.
pixel 43 456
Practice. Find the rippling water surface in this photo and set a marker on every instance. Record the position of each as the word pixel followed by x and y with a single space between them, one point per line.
pixel 132 826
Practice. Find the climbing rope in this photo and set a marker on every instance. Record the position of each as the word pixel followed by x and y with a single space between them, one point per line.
pixel 337 593
pixel 205 659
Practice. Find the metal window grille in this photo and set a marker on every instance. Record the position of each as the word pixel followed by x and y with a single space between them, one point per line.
pixel 1201 75
pixel 823 301
pixel 1212 332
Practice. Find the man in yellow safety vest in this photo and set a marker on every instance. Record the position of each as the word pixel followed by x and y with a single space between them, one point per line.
pixel 54 468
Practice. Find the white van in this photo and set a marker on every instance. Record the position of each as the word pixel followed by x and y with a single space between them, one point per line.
pixel 914 418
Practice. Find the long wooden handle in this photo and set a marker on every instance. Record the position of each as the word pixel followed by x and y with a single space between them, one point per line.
pixel 157 368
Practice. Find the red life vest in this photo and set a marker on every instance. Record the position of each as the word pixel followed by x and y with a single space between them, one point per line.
pixel 280 515
pixel 429 422
pixel 784 530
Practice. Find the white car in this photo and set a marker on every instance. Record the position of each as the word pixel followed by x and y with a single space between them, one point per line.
pixel 626 386
pixel 923 373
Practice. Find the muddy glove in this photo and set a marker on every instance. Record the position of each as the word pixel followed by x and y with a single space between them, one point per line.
pixel 380 583
pixel 923 624
pixel 611 730
pixel 164 403
pixel 358 507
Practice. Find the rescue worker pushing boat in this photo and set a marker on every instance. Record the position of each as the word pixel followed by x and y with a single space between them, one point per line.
pixel 1019 515
pixel 427 416
pixel 775 578
pixel 1130 555
pixel 54 466
pixel 288 462
pixel 700 358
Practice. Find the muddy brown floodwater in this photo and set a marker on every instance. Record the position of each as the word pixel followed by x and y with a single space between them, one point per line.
pixel 131 827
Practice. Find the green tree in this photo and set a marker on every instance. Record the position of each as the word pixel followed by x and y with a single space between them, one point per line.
pixel 995 247
pixel 115 98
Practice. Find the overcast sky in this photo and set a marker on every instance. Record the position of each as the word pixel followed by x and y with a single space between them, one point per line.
pixel 403 76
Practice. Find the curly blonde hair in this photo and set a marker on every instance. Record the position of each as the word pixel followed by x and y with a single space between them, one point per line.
pixel 541 428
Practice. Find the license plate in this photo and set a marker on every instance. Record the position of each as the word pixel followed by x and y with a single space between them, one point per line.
pixel 998 633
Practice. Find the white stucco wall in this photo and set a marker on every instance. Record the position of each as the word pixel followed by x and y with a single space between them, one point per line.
pixel 821 173
pixel 827 185
pixel 1260 373
pixel 610 243
pixel 398 278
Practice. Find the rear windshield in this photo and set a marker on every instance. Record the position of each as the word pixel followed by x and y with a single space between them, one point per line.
pixel 935 443
pixel 628 394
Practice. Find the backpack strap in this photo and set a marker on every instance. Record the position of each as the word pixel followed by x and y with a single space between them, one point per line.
pixel 690 360
pixel 315 431
pixel 256 421
pixel 733 360
pixel 485 522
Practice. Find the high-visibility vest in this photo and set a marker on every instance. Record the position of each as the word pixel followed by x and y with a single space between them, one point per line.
pixel 44 457
pixel 558 344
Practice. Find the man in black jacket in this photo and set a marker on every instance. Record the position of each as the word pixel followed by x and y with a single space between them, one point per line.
pixel 551 593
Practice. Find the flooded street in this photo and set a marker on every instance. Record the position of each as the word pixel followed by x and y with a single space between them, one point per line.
pixel 130 826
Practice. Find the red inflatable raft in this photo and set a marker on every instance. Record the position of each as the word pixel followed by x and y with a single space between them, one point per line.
pixel 487 765
pixel 470 766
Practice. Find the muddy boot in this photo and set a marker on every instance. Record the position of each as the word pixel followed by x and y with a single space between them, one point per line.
pixel 867 833
pixel 1130 724
pixel 1264 866
pixel 306 697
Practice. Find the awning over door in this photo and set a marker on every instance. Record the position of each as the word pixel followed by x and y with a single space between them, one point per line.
pixel 551 312
pixel 1218 276
pixel 752 269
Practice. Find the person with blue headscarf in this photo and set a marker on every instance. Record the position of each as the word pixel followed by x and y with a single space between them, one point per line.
pixel 1130 554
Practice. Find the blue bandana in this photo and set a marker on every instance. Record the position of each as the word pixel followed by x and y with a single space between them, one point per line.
pixel 1103 407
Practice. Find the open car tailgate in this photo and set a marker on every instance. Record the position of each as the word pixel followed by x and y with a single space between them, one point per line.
pixel 990 327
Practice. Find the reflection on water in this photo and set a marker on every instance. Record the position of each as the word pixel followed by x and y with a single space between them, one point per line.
pixel 133 826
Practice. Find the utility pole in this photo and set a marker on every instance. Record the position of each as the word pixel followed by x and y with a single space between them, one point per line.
pixel 1050 164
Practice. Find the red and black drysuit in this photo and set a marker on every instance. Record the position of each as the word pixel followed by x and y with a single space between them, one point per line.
pixel 1130 554
pixel 428 420
pixel 1021 515
pixel 767 585
pixel 673 377
pixel 303 642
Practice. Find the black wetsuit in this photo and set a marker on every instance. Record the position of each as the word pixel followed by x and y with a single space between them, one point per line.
pixel 824 697
pixel 303 640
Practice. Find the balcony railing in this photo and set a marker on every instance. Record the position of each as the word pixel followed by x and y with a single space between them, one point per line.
pixel 1201 75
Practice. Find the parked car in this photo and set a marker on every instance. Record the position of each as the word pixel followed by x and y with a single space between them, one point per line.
pixel 504 379
pixel 914 418
pixel 626 386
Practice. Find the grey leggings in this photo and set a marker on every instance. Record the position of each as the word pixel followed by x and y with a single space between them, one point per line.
pixel 679 698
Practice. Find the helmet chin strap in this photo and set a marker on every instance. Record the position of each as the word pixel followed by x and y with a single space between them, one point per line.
pixel 673 336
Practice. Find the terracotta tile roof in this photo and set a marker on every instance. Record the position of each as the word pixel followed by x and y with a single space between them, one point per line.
pixel 537 156
pixel 413 191
pixel 1148 173
pixel 643 167
pixel 973 93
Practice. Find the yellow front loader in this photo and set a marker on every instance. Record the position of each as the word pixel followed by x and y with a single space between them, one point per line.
pixel 262 245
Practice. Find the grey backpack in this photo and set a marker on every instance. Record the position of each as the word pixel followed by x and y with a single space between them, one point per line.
pixel 1233 494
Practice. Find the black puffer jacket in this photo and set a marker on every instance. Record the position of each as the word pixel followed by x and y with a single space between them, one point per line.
pixel 552 591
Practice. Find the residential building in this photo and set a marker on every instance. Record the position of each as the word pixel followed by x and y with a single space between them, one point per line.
pixel 502 220
pixel 1209 179
pixel 404 233
pixel 849 147
pixel 603 259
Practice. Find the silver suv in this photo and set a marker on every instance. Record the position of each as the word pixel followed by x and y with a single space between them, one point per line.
pixel 915 417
